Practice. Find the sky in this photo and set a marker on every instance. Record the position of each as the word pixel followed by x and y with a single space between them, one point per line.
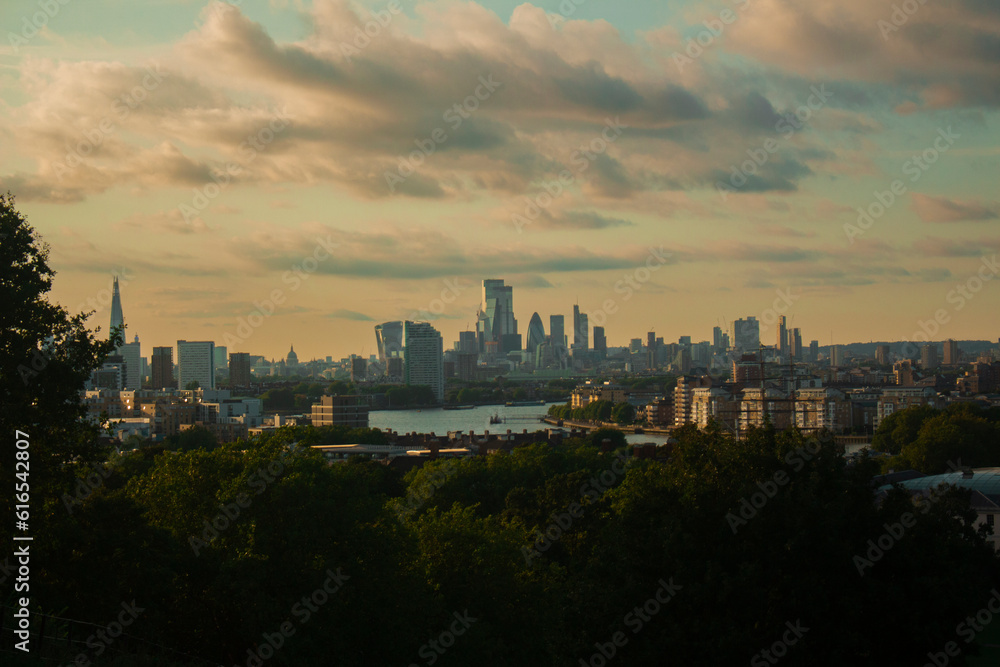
pixel 274 173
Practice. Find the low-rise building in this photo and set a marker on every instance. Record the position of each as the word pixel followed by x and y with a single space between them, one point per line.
pixel 589 392
pixel 894 399
pixel 713 404
pixel 340 410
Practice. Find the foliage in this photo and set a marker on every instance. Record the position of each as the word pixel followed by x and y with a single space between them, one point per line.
pixel 46 355
pixel 597 411
pixel 197 437
pixel 936 441
pixel 550 549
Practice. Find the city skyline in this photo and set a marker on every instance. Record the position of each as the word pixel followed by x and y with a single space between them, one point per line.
pixel 744 335
pixel 684 165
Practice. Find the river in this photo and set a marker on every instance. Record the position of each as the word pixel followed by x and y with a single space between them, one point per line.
pixel 440 421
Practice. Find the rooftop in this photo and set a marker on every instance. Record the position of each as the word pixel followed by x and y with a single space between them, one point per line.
pixel 984 480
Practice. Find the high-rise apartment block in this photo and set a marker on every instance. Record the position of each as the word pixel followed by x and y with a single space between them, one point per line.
pixel 239 369
pixel 950 352
pixel 196 363
pixel 163 368
pixel 423 352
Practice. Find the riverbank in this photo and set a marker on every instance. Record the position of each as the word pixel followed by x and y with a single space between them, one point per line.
pixel 591 426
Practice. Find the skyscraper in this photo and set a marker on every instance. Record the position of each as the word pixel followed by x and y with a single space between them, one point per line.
pixel 132 355
pixel 239 369
pixel 581 330
pixel 882 353
pixel 600 341
pixel 717 338
pixel 557 329
pixel 950 352
pixel 746 334
pixel 423 353
pixel 536 334
pixel 795 349
pixel 495 318
pixel 117 317
pixel 196 363
pixel 782 342
pixel 929 357
pixel 221 358
pixel 467 343
pixel 389 338
pixel 163 368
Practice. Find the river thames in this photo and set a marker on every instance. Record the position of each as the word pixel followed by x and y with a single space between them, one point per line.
pixel 477 419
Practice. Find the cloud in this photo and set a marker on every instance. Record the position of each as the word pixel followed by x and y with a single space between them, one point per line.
pixel 171 222
pixel 933 246
pixel 942 209
pixel 344 314
pixel 405 253
pixel 943 55
pixel 511 104
pixel 572 219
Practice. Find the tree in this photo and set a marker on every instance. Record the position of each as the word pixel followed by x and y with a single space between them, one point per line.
pixel 616 437
pixel 900 428
pixel 193 384
pixel 198 437
pixel 46 355
pixel 623 413
pixel 948 439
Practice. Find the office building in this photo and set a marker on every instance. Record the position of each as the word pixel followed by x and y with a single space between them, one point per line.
pixel 495 318
pixel 746 334
pixel 717 338
pixel 510 343
pixel 423 353
pixel 221 358
pixel 557 335
pixel 836 356
pixel 131 353
pixel 239 369
pixel 117 316
pixel 163 368
pixel 581 330
pixel 389 339
pixel 795 344
pixel 600 341
pixel 467 342
pixel 196 363
pixel 536 334
pixel 814 351
pixel 782 342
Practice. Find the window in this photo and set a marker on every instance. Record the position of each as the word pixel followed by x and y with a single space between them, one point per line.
pixel 989 519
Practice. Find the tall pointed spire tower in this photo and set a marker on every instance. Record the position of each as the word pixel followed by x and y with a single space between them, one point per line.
pixel 117 318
